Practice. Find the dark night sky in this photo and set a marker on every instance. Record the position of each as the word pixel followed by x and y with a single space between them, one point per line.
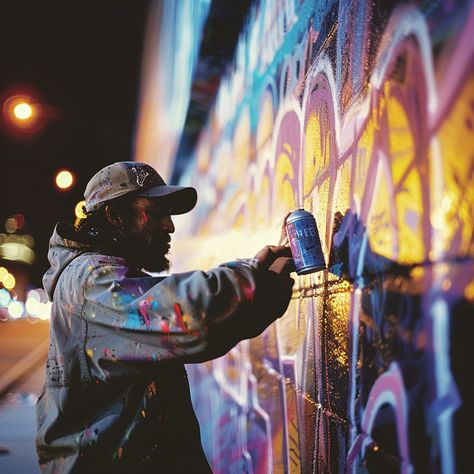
pixel 83 57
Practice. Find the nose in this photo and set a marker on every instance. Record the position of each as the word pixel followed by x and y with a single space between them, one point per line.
pixel 167 224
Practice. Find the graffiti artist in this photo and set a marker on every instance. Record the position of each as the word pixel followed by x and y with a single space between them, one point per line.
pixel 116 397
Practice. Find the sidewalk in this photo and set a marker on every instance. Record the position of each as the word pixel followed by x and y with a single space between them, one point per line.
pixel 23 349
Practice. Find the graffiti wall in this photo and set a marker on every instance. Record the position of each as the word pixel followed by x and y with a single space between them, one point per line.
pixel 361 112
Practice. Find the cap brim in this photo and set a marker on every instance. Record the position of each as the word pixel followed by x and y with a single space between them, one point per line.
pixel 181 199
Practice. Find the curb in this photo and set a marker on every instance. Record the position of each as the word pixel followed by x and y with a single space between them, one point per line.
pixel 22 367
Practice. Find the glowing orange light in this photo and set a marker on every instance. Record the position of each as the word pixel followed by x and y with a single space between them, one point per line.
pixel 23 111
pixel 64 179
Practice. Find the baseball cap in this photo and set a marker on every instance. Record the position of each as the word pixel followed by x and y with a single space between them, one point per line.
pixel 126 177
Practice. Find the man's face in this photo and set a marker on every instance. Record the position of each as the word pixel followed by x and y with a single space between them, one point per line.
pixel 148 234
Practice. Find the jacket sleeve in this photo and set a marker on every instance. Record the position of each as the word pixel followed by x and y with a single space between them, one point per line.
pixel 133 323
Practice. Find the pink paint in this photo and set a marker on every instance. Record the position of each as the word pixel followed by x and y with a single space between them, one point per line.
pixel 143 306
pixel 388 388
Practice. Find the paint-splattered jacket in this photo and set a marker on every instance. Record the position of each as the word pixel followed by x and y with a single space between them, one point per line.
pixel 116 396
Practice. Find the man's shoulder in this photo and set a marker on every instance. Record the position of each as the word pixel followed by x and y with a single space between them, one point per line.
pixel 92 260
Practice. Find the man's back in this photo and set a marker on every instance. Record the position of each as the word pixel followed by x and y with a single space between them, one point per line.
pixel 101 415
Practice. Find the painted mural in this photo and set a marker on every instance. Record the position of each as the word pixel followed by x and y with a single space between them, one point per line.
pixel 361 112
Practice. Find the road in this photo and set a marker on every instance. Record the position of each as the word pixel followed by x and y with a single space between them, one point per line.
pixel 22 355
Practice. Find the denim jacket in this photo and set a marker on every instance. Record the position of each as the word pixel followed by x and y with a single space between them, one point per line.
pixel 116 396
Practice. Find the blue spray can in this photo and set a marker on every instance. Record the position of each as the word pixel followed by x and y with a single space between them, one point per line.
pixel 304 242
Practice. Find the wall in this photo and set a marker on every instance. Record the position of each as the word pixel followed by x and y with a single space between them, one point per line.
pixel 363 113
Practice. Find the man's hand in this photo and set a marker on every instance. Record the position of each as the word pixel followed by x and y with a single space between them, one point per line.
pixel 270 253
pixel 277 260
pixel 282 266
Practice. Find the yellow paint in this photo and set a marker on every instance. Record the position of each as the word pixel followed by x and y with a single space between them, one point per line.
pixel 410 211
pixel 380 225
pixel 283 193
pixel 316 151
pixel 337 324
pixel 317 204
pixel 405 179
pixel 453 199
pixel 90 352
pixel 401 142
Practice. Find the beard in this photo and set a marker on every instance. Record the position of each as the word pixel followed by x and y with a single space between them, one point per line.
pixel 157 264
pixel 151 256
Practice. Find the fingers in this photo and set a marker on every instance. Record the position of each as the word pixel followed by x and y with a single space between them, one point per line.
pixel 270 253
pixel 282 266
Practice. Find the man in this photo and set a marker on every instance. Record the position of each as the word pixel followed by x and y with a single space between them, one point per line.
pixel 116 396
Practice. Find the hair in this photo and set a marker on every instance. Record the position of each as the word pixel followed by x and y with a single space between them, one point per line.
pixel 95 228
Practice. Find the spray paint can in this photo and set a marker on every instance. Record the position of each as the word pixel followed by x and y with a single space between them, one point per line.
pixel 304 242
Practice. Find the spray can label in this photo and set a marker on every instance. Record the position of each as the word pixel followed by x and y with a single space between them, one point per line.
pixel 304 242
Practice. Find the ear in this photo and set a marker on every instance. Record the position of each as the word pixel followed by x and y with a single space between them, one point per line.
pixel 113 216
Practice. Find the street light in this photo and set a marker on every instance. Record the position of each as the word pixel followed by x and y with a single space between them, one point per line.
pixel 64 179
pixel 22 112
pixel 26 113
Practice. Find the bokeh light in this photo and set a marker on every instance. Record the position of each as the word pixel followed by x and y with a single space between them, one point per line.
pixel 11 225
pixel 20 220
pixel 16 309
pixel 44 311
pixel 3 273
pixel 79 210
pixel 32 306
pixel 23 111
pixel 5 297
pixel 9 282
pixel 64 179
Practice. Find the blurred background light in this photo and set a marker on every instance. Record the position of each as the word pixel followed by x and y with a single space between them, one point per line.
pixel 20 220
pixel 79 210
pixel 11 225
pixel 16 309
pixel 9 281
pixel 44 311
pixel 32 306
pixel 34 294
pixel 23 111
pixel 5 297
pixel 3 273
pixel 18 252
pixel 64 179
